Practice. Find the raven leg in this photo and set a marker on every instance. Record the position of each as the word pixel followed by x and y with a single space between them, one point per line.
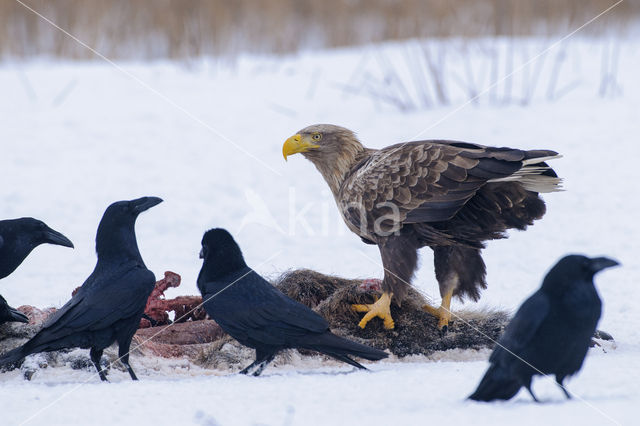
pixel 248 368
pixel 263 358
pixel 123 355
pixel 263 364
pixel 527 385
pixel 95 355
pixel 531 393
pixel 559 380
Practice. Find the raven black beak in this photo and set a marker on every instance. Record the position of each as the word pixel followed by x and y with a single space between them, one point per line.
pixel 14 314
pixel 597 264
pixel 17 316
pixel 202 253
pixel 56 238
pixel 145 203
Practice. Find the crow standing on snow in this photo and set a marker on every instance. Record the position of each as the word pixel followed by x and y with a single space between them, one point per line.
pixel 258 315
pixel 551 331
pixel 18 237
pixel 110 303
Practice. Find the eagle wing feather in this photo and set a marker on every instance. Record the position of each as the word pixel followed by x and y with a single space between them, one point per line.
pixel 425 181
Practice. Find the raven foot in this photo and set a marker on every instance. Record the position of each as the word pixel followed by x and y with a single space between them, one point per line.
pixel 532 394
pixel 381 308
pixel 559 381
pixel 259 364
pixel 247 368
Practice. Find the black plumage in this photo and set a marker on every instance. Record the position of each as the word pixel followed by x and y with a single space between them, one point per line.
pixel 109 305
pixel 258 315
pixel 18 237
pixel 550 333
pixel 9 314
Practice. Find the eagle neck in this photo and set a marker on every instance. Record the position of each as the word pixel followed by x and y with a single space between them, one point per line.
pixel 337 170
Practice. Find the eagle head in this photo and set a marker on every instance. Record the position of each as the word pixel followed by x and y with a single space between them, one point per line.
pixel 321 141
pixel 332 149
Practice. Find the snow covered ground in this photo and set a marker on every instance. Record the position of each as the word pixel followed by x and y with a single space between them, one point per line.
pixel 75 137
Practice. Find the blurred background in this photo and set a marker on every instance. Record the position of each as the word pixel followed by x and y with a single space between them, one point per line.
pixel 485 40
pixel 187 29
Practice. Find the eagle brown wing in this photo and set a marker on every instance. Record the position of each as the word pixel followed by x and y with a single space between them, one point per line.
pixel 425 181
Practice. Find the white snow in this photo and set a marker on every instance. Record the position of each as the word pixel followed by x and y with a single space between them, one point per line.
pixel 75 137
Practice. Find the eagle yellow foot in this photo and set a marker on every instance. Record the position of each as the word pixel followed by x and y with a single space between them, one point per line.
pixel 443 313
pixel 444 316
pixel 381 308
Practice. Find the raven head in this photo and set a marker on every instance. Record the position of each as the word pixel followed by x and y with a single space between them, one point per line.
pixel 597 264
pixel 218 242
pixel 221 254
pixel 125 212
pixel 576 268
pixel 19 237
pixel 116 232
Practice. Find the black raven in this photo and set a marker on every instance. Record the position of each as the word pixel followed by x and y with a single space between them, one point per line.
pixel 550 333
pixel 18 237
pixel 9 314
pixel 109 305
pixel 258 315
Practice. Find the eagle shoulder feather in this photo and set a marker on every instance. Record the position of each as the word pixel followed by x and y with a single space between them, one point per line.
pixel 430 181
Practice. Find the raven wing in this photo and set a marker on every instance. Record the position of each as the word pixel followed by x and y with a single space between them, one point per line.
pixel 101 301
pixel 261 312
pixel 522 328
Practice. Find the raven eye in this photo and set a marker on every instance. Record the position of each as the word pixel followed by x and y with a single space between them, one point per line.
pixel 316 136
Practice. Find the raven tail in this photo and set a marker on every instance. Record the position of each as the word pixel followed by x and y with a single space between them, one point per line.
pixel 13 355
pixel 496 384
pixel 340 348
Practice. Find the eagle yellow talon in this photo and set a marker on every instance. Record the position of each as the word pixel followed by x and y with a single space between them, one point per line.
pixel 431 310
pixel 443 313
pixel 381 308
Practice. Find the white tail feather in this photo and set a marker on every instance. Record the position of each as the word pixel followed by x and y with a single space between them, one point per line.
pixel 542 183
pixel 540 159
pixel 531 177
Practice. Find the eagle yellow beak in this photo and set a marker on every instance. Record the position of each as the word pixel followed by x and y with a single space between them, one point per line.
pixel 296 144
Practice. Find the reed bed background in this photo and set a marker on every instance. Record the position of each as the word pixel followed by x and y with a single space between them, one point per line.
pixel 185 29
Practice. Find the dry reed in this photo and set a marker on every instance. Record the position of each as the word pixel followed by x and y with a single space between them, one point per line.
pixel 183 29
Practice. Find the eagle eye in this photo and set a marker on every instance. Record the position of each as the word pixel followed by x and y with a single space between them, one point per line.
pixel 316 136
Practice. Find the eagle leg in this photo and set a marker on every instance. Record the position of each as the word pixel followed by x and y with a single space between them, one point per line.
pixel 443 313
pixel 381 308
pixel 399 255
pixel 431 310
